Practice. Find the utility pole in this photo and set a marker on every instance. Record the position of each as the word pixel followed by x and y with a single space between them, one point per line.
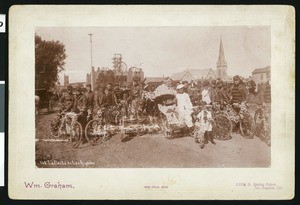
pixel 92 76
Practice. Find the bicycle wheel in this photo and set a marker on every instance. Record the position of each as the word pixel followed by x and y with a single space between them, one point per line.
pixel 222 127
pixel 247 126
pixel 54 127
pixel 76 134
pixel 95 132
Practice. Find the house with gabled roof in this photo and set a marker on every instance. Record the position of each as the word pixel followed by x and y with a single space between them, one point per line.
pixel 195 74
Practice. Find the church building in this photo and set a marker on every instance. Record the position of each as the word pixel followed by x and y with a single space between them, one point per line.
pixel 208 73
pixel 222 64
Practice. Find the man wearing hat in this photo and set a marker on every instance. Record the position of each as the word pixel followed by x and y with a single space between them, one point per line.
pixel 98 97
pixel 238 91
pixel 109 98
pixel 90 99
pixel 184 107
pixel 214 95
pixel 66 105
pixel 223 96
pixel 80 105
pixel 67 100
pixel 136 96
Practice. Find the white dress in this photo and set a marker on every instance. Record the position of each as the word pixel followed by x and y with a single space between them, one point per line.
pixel 205 96
pixel 184 107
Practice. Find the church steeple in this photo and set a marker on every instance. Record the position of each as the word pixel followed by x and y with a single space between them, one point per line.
pixel 221 63
pixel 221 59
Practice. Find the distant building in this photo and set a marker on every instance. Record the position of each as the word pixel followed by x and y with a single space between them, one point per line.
pixel 74 85
pixel 66 80
pixel 120 72
pixel 125 77
pixel 206 74
pixel 88 78
pixel 222 64
pixel 261 75
pixel 66 83
pixel 154 79
pixel 195 74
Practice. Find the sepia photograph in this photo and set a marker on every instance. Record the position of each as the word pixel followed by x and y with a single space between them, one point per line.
pixel 151 102
pixel 153 97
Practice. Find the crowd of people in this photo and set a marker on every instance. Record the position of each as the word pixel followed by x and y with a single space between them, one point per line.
pixel 141 98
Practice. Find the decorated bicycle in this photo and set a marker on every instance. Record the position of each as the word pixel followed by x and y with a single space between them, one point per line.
pixel 222 124
pixel 104 125
pixel 241 119
pixel 66 125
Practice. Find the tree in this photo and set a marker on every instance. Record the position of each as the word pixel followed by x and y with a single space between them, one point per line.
pixel 49 61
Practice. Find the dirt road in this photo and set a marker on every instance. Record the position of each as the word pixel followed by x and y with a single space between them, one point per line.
pixel 149 151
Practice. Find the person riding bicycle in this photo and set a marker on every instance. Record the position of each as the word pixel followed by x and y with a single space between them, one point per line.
pixel 148 105
pixel 67 100
pixel 223 97
pixel 98 96
pixel 109 99
pixel 66 106
pixel 238 91
pixel 80 106
pixel 252 89
pixel 136 96
pixel 239 96
pixel 90 101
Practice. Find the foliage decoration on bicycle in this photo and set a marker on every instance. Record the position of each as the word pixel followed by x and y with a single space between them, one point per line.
pixel 262 121
pixel 222 123
pixel 66 125
pixel 104 125
pixel 241 119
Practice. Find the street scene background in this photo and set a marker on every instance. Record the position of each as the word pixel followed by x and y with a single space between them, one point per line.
pixel 137 66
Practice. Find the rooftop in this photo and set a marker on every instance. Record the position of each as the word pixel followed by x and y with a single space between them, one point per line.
pixel 154 79
pixel 262 70
pixel 194 73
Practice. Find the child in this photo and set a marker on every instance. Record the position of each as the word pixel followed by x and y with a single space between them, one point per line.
pixel 206 93
pixel 203 127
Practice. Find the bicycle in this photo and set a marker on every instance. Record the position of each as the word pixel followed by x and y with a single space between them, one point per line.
pixel 222 124
pixel 241 119
pixel 67 125
pixel 104 125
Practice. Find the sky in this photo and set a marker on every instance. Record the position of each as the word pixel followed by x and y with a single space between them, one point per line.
pixel 161 51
